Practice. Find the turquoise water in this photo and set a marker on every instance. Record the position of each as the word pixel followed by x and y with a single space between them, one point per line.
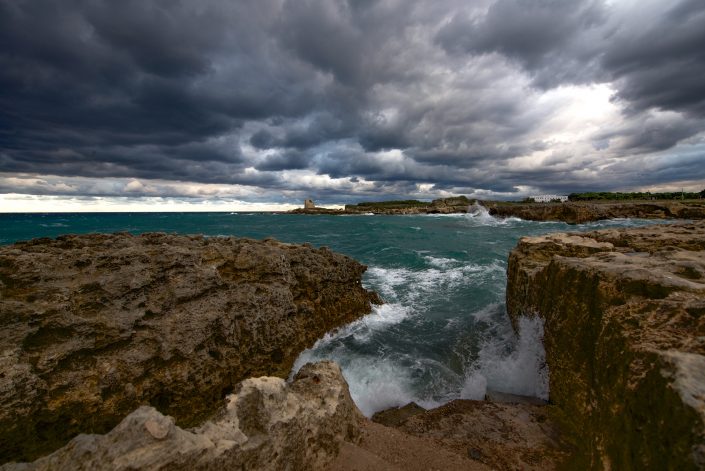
pixel 443 332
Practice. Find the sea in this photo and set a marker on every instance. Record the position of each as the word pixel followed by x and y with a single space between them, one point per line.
pixel 443 331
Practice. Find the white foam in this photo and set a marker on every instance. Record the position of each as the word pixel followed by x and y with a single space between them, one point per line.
pixel 377 385
pixel 440 262
pixel 481 215
pixel 380 318
pixel 442 275
pixel 475 388
pixel 523 371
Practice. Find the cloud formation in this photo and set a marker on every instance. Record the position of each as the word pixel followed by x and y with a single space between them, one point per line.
pixel 350 99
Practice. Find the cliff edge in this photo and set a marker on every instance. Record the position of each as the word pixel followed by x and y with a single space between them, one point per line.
pixel 624 313
pixel 581 212
pixel 95 326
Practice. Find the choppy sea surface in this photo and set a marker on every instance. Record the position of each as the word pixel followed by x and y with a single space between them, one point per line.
pixel 443 332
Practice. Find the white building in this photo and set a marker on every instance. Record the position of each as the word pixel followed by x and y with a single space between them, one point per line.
pixel 549 198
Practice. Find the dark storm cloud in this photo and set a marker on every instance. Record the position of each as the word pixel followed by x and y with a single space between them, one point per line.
pixel 662 65
pixel 536 33
pixel 95 76
pixel 287 160
pixel 388 92
pixel 657 61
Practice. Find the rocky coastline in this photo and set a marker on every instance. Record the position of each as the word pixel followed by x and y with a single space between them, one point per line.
pixel 455 204
pixel 624 336
pixel 266 424
pixel 577 212
pixel 94 326
pixel 100 328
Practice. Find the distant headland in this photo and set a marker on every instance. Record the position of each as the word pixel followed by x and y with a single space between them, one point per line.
pixel 576 208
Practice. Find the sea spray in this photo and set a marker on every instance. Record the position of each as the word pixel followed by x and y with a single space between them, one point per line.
pixel 520 370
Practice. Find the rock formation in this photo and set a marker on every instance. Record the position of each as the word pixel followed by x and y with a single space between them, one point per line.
pixel 455 204
pixel 518 434
pixel 580 212
pixel 94 326
pixel 266 425
pixel 624 314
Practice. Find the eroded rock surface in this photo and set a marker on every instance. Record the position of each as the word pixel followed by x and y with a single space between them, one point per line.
pixel 624 313
pixel 580 212
pixel 467 435
pixel 93 326
pixel 266 425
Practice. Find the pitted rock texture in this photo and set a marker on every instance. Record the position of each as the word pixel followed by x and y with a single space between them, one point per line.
pixel 467 435
pixel 93 326
pixel 266 425
pixel 624 313
pixel 580 212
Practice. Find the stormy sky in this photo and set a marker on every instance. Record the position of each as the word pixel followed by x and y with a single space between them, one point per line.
pixel 271 101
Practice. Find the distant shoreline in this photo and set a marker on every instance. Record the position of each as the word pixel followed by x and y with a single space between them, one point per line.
pixel 571 212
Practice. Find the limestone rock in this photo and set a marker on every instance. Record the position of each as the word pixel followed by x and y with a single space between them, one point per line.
pixel 580 212
pixel 266 425
pixel 94 326
pixel 473 434
pixel 397 415
pixel 625 339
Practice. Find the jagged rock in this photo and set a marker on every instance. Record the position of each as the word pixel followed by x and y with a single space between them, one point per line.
pixel 266 425
pixel 396 416
pixel 94 326
pixel 624 313
pixel 580 212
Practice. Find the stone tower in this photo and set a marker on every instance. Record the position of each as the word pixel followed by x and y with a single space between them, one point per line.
pixel 308 204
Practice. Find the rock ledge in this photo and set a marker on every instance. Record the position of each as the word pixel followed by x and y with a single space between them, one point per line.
pixel 624 315
pixel 94 326
pixel 265 425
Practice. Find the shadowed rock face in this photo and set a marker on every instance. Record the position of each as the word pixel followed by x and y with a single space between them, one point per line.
pixel 265 425
pixel 93 326
pixel 624 313
pixel 580 212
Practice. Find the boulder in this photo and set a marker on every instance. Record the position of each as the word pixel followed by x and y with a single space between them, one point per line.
pixel 265 425
pixel 624 314
pixel 94 326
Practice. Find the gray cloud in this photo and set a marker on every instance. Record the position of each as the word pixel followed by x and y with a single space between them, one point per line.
pixel 383 94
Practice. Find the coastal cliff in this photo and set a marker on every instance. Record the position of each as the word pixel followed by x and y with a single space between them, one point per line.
pixel 624 313
pixel 581 212
pixel 95 326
